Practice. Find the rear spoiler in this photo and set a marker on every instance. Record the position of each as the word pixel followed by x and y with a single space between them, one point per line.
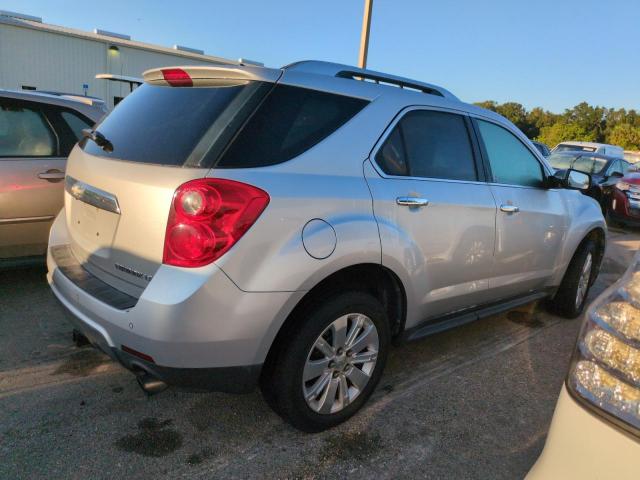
pixel 201 76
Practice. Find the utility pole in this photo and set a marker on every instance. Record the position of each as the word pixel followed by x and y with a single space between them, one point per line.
pixel 364 37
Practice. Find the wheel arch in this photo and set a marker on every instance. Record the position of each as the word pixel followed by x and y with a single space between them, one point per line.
pixel 372 278
pixel 598 235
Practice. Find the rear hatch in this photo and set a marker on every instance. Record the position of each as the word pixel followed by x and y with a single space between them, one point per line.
pixel 167 132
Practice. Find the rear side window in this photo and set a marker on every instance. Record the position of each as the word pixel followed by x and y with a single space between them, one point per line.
pixel 172 126
pixel 429 144
pixel 24 132
pixel 511 162
pixel 290 121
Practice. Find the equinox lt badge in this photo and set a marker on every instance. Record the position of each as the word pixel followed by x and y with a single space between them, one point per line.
pixel 133 272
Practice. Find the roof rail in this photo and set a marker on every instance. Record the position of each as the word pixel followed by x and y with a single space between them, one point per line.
pixel 347 71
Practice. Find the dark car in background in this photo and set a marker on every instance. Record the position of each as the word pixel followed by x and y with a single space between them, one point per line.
pixel 542 148
pixel 605 172
pixel 625 202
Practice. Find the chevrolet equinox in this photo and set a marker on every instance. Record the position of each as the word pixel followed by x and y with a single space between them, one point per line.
pixel 234 226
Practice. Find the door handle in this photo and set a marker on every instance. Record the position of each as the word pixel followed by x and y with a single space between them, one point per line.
pixel 509 208
pixel 412 201
pixel 52 175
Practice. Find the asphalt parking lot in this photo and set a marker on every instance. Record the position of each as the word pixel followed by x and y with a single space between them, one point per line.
pixel 474 402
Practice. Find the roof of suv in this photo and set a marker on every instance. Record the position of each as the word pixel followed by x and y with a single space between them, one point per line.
pixel 369 83
pixel 92 107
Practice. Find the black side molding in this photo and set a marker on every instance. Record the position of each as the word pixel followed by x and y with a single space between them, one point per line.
pixel 457 319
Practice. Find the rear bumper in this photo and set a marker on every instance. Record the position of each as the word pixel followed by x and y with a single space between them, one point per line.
pixel 200 330
pixel 583 446
pixel 237 379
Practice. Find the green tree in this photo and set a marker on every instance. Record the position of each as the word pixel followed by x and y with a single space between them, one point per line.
pixel 516 114
pixel 562 132
pixel 590 119
pixel 488 104
pixel 625 135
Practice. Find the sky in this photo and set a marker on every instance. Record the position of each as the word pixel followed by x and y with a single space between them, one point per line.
pixel 549 53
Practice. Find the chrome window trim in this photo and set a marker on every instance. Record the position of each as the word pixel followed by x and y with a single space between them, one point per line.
pixel 399 116
pixel 91 195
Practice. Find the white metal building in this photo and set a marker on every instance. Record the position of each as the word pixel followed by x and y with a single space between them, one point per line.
pixel 36 55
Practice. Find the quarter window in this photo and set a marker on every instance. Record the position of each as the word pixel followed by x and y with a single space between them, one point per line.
pixel 75 123
pixel 289 122
pixel 429 144
pixel 24 133
pixel 511 162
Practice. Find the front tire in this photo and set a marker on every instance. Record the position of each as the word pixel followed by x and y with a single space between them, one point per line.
pixel 330 361
pixel 571 297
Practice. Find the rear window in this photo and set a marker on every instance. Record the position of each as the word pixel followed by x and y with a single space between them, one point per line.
pixel 290 121
pixel 573 148
pixel 169 126
pixel 226 127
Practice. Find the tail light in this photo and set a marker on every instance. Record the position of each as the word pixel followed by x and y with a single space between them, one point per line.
pixel 605 371
pixel 207 217
pixel 176 77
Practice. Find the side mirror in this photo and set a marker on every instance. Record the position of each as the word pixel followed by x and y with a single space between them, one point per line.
pixel 576 180
pixel 617 174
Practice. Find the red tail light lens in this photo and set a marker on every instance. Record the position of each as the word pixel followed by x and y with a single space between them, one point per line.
pixel 207 217
pixel 176 77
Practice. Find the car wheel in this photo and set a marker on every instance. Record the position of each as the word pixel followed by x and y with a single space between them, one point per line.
pixel 571 296
pixel 329 362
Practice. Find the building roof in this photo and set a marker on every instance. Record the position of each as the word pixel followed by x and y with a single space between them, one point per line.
pixel 35 23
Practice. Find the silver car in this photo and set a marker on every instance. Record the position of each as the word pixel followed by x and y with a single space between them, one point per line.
pixel 227 227
pixel 37 132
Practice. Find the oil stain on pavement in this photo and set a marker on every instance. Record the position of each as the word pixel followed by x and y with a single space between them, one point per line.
pixel 82 363
pixel 154 439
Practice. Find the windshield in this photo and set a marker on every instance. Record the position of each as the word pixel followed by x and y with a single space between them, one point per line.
pixel 175 126
pixel 582 163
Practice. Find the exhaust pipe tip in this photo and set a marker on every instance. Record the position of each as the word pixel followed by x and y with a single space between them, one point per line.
pixel 150 384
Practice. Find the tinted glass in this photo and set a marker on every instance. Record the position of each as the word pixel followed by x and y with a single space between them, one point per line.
pixel 164 125
pixel 511 162
pixel 561 161
pixel 24 132
pixel 625 167
pixel 592 165
pixel 391 157
pixel 542 148
pixel 436 145
pixel 290 121
pixel 75 123
pixel 573 148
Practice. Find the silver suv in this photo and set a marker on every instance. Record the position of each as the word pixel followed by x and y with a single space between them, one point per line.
pixel 226 227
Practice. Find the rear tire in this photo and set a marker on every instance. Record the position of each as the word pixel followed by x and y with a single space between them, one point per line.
pixel 571 296
pixel 329 361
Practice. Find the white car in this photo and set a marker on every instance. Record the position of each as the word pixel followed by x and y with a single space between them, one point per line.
pixel 595 432
pixel 590 147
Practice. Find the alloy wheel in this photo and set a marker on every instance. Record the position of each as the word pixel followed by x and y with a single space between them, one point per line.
pixel 583 282
pixel 340 363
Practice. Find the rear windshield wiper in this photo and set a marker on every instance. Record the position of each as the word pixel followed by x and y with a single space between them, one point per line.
pixel 98 138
